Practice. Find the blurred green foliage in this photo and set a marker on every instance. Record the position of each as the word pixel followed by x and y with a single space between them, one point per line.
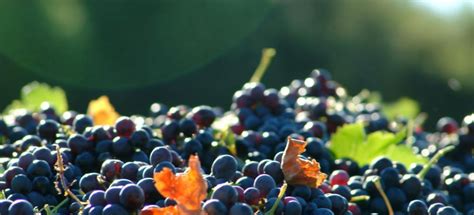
pixel 200 52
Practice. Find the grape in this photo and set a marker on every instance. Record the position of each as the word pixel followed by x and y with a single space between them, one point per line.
pixel 447 210
pixel 226 194
pixel 433 209
pixel 90 182
pixel 129 171
pixel 240 208
pixel 149 190
pixel 96 210
pixel 39 168
pixel 252 195
pixel 339 177
pixel 112 195
pixel 124 126
pixel 160 154
pixel 114 209
pixel 339 203
pixel 97 198
pixel 132 197
pixel 21 184
pixel 224 167
pixel 111 169
pixel 264 183
pixel 417 207
pixel 250 169
pixel 269 204
pixel 293 207
pixel 273 168
pixel 20 207
pixel 4 205
pixel 214 207
pixel 36 199
pixel 121 147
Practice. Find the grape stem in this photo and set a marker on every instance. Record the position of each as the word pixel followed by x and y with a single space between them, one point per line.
pixel 267 55
pixel 433 161
pixel 59 166
pixel 280 196
pixel 360 198
pixel 378 185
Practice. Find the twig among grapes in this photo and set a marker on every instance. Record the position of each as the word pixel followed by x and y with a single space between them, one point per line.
pixel 59 167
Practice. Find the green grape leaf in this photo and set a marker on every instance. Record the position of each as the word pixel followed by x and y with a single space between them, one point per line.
pixel 351 141
pixel 404 107
pixel 95 44
pixel 35 93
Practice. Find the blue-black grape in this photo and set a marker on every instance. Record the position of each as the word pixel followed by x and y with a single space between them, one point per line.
pixel 20 207
pixel 224 167
pixel 214 207
pixel 264 183
pixel 226 194
pixel 132 197
pixel 114 209
pixel 240 209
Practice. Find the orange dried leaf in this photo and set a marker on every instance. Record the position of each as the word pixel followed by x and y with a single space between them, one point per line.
pixel 188 189
pixel 171 210
pixel 102 112
pixel 298 170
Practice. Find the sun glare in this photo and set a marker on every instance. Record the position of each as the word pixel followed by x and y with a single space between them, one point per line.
pixel 445 6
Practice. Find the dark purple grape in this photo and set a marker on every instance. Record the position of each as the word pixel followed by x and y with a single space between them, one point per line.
pixel 42 184
pixel 204 116
pixel 264 183
pixel 132 197
pixel 433 209
pixel 245 182
pixel 21 184
pixel 240 209
pixel 250 169
pixel 214 207
pixel 129 171
pixel 224 167
pixel 273 168
pixel 293 207
pixel 111 169
pixel 124 127
pixel 120 182
pixel 90 182
pixel 25 159
pixel 160 154
pixel 39 168
pixel 4 205
pixel 47 129
pixel 22 207
pixel 339 203
pixel 269 204
pixel 114 209
pixel 417 207
pixel 447 210
pixel 149 190
pixel 112 195
pixel 121 147
pixel 81 122
pixel 36 199
pixel 252 195
pixel 302 191
pixel 226 194
pixel 140 138
pixel 44 153
pixel 97 198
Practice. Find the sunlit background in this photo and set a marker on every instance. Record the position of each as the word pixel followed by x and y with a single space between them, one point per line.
pixel 200 52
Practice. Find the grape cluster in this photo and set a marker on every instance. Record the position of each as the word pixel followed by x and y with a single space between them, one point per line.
pixel 110 169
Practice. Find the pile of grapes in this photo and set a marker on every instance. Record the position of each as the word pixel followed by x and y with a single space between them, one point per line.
pixel 66 164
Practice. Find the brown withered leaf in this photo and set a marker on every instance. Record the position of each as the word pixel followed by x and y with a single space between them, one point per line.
pixel 102 111
pixel 188 189
pixel 298 170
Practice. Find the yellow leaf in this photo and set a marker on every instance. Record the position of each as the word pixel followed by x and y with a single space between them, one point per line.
pixel 102 111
